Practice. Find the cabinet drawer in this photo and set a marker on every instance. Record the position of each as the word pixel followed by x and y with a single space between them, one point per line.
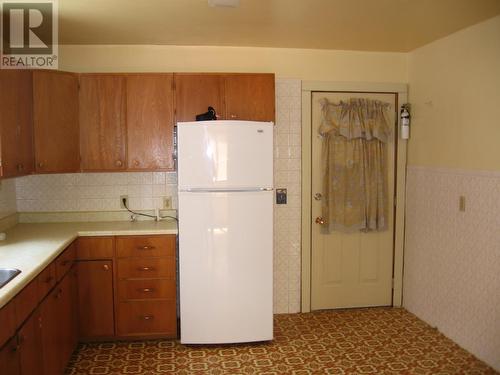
pixel 146 317
pixel 145 268
pixel 146 289
pixel 46 280
pixel 26 301
pixel 65 261
pixel 89 248
pixel 152 246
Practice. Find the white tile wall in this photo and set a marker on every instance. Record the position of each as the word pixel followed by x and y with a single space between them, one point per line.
pixel 7 197
pixel 101 192
pixel 287 174
pixel 452 258
pixel 94 191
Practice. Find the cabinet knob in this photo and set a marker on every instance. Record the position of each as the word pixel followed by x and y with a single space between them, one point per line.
pixel 147 317
pixel 105 267
pixel 146 269
pixel 319 220
pixel 146 247
pixel 233 116
pixel 146 290
pixel 118 163
pixel 136 162
pixel 40 165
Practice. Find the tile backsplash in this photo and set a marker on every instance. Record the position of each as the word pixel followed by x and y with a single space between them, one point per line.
pixel 287 174
pixel 7 197
pixel 62 197
pixel 94 191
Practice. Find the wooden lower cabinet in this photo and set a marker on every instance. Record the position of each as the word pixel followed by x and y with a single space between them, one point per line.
pixel 58 336
pixel 146 317
pixel 30 341
pixel 91 299
pixel 146 291
pixel 9 358
pixel 95 295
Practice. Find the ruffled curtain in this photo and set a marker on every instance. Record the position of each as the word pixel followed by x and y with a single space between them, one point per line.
pixel 354 164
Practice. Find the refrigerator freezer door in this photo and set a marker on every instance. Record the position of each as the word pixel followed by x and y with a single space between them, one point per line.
pixel 225 154
pixel 226 265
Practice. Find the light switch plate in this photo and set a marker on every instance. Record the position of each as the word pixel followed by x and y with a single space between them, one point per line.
pixel 280 196
pixel 461 203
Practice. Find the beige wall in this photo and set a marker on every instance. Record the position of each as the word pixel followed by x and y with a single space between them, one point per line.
pixel 455 93
pixel 451 262
pixel 305 64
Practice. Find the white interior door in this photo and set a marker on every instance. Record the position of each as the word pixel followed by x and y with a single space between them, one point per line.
pixel 350 269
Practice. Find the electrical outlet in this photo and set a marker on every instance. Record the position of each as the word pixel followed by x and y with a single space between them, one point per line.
pixel 122 197
pixel 167 202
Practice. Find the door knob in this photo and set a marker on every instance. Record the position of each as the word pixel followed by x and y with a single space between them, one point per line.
pixel 319 220
pixel 318 196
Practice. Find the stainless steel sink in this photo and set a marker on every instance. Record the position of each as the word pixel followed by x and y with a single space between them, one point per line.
pixel 7 274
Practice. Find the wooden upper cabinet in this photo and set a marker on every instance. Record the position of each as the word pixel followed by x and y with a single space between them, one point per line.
pixel 150 121
pixel 16 123
pixel 194 93
pixel 55 101
pixel 249 97
pixel 103 133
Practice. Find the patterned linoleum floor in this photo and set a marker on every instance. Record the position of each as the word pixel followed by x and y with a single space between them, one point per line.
pixel 359 341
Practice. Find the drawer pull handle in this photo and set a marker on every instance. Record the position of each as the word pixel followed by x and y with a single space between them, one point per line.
pixel 147 317
pixel 146 290
pixel 146 247
pixel 146 269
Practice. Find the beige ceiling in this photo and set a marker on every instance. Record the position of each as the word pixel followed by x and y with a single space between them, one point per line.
pixel 369 25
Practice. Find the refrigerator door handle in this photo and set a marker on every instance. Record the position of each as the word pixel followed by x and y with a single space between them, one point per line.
pixel 223 190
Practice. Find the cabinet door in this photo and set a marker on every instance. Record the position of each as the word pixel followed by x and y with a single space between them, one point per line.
pixel 30 336
pixel 102 122
pixel 9 358
pixel 150 122
pixel 16 123
pixel 51 337
pixel 95 298
pixel 194 93
pixel 67 313
pixel 250 97
pixel 55 101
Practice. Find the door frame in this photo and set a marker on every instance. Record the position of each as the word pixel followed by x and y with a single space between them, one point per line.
pixel 401 91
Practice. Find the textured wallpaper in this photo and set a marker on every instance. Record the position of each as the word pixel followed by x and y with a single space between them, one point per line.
pixel 452 258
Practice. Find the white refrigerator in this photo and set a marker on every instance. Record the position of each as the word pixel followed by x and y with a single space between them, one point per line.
pixel 225 182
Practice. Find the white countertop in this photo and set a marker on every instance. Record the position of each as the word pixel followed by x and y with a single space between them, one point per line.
pixel 31 247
